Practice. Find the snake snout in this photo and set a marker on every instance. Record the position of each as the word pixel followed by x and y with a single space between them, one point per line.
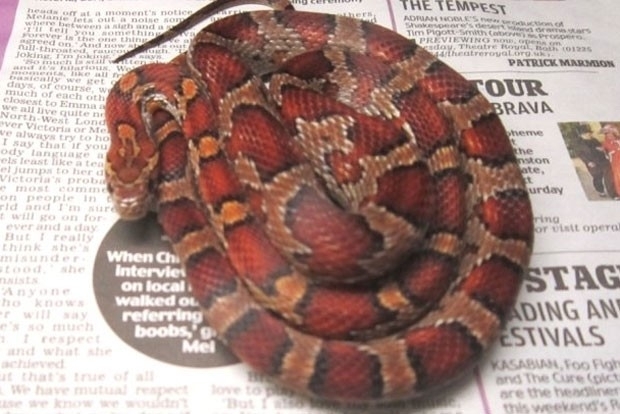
pixel 131 202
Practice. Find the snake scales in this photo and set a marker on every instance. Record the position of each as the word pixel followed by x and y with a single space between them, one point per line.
pixel 348 209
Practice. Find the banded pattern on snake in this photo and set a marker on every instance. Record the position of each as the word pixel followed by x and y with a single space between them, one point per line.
pixel 348 208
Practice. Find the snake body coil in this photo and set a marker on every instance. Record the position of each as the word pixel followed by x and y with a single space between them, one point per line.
pixel 358 229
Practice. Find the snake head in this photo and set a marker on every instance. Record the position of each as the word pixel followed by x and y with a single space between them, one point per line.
pixel 132 200
pixel 130 172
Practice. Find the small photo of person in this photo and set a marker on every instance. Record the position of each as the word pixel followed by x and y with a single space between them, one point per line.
pixel 611 145
pixel 595 150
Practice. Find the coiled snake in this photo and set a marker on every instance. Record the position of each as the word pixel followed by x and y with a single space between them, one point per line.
pixel 357 229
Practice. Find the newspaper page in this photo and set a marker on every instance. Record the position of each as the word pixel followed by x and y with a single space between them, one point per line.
pixel 95 316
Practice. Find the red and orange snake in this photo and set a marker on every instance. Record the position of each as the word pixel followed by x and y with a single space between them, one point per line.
pixel 348 209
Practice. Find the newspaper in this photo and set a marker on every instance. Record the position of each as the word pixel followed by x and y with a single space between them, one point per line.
pixel 94 312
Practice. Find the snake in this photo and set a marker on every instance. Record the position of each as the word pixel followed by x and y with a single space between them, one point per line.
pixel 348 209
